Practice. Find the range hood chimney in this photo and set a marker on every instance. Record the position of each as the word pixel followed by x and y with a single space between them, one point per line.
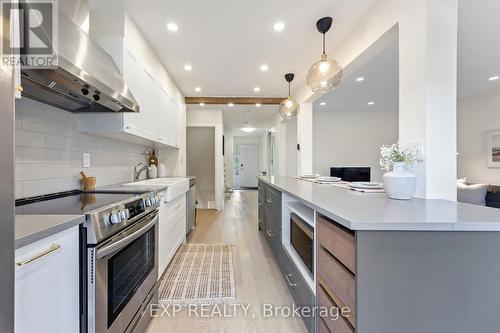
pixel 85 80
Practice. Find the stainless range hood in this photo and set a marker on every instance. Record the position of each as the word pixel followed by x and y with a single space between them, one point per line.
pixel 86 79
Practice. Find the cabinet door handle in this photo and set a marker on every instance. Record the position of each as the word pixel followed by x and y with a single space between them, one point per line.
pixel 260 204
pixel 269 233
pixel 269 201
pixel 52 248
pixel 260 187
pixel 290 282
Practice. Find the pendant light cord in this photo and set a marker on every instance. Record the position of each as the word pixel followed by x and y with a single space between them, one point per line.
pixel 289 90
pixel 324 44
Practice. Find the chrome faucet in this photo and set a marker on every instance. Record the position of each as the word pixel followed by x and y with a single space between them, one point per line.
pixel 138 171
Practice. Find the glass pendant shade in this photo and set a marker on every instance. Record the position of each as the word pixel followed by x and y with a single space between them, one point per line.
pixel 324 75
pixel 288 108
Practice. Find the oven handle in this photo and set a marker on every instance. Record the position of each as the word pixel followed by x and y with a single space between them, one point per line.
pixel 121 243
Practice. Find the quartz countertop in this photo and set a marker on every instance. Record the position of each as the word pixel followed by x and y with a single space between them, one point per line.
pixel 31 228
pixel 374 211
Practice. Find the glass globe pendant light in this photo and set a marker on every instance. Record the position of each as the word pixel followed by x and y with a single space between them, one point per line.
pixel 289 107
pixel 325 74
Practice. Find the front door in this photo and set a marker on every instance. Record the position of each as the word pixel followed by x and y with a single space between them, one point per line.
pixel 249 165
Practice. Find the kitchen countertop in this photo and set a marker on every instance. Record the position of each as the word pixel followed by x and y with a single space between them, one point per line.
pixel 118 188
pixel 374 211
pixel 31 228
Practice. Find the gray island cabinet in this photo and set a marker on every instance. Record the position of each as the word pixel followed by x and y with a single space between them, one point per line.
pixel 398 266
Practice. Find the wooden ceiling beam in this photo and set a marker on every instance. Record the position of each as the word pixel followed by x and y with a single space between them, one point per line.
pixel 235 100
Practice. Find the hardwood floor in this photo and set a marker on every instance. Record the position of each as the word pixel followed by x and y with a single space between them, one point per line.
pixel 258 279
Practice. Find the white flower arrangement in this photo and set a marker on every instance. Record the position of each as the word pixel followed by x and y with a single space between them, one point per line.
pixel 407 153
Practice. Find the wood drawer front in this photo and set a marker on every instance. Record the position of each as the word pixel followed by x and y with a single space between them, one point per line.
pixel 340 324
pixel 338 241
pixel 338 278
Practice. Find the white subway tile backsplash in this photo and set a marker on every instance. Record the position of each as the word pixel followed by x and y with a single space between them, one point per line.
pixel 29 139
pixel 49 152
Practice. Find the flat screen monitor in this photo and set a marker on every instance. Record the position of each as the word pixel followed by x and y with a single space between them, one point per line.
pixel 351 174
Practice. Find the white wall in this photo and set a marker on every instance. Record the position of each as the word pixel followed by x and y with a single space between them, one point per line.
pixel 49 152
pixel 476 115
pixel 291 148
pixel 205 117
pixel 427 78
pixel 352 139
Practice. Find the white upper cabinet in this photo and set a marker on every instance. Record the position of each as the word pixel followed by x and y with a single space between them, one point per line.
pixel 158 119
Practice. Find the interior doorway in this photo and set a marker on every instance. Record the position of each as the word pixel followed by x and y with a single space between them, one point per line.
pixel 200 162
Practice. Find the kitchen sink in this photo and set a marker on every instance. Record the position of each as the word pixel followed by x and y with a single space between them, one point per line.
pixel 174 187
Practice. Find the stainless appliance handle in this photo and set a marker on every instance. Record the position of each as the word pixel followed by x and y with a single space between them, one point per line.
pixel 125 240
pixel 290 282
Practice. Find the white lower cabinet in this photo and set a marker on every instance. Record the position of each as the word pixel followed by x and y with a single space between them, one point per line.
pixel 171 231
pixel 47 285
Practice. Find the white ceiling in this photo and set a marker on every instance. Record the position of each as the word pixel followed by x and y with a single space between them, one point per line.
pixel 378 65
pixel 261 118
pixel 478 46
pixel 226 41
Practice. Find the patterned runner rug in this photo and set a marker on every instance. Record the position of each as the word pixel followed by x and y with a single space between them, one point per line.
pixel 199 274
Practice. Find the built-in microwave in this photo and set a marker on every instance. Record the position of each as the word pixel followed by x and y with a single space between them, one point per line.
pixel 302 240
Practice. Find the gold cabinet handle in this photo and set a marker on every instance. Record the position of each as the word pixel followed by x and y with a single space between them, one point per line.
pixel 52 248
pixel 19 88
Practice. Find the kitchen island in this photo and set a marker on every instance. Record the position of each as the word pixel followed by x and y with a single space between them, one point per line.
pixel 398 266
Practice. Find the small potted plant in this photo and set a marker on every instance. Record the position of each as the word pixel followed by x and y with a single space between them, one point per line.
pixel 398 160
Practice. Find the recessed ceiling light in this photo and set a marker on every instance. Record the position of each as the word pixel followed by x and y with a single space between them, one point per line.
pixel 494 78
pixel 360 79
pixel 197 89
pixel 172 27
pixel 202 104
pixel 230 104
pixel 264 68
pixel 256 89
pixel 371 103
pixel 248 113
pixel 258 105
pixel 248 129
pixel 322 103
pixel 279 26
pixel 188 68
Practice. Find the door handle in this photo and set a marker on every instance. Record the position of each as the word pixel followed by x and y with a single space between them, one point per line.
pixel 269 201
pixel 287 276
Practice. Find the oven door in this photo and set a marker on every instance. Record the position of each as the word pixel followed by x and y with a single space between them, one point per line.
pixel 126 268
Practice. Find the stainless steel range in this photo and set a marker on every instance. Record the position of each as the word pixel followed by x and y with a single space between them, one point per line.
pixel 120 237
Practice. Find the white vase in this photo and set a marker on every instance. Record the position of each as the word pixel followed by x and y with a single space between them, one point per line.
pixel 400 183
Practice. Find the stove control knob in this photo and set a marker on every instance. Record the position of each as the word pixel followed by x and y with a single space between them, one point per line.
pixel 115 218
pixel 123 214
pixel 154 200
pixel 127 213
pixel 157 199
pixel 148 202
